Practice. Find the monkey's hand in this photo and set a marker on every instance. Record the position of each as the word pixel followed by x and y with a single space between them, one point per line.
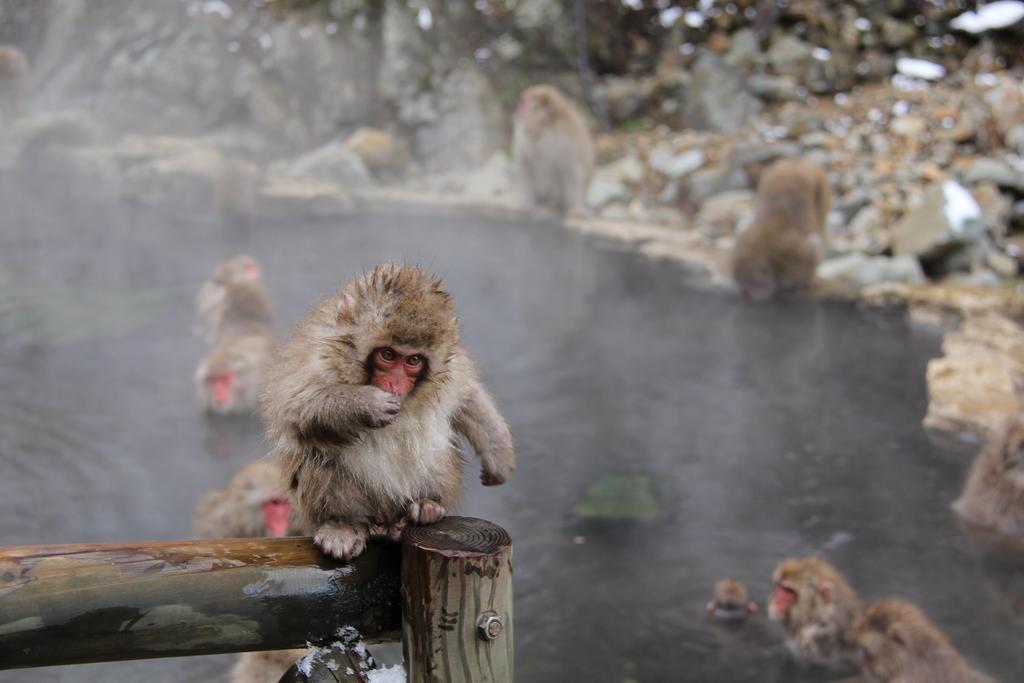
pixel 425 512
pixel 379 408
pixel 497 468
pixel 485 428
pixel 341 541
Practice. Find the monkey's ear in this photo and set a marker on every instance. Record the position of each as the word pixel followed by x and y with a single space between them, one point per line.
pixel 825 592
pixel 898 635
pixel 345 314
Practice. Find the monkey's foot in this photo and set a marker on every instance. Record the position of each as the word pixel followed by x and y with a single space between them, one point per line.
pixel 341 541
pixel 425 512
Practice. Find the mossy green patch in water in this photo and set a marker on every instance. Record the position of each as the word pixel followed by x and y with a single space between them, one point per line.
pixel 619 496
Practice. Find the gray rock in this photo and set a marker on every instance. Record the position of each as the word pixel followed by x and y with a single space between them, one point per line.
pixel 288 197
pixel 470 126
pixel 789 56
pixel 776 88
pixel 383 152
pixel 675 165
pixel 492 179
pixel 854 272
pixel 820 139
pixel 947 219
pixel 977 278
pixel 174 67
pixel 612 182
pixel 1015 138
pixel 626 98
pixel 717 98
pixel 897 33
pixel 865 221
pixel 407 69
pixel 995 171
pixel 996 207
pixel 762 153
pixel 721 213
pixel 744 48
pixel 908 126
pixel 335 162
pixel 698 186
pixel 833 73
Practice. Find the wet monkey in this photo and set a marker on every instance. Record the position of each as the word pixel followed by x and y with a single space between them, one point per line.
pixel 552 149
pixel 993 495
pixel 229 379
pixel 816 607
pixel 364 406
pixel 234 311
pixel 781 249
pixel 729 601
pixel 210 301
pixel 899 644
pixel 253 503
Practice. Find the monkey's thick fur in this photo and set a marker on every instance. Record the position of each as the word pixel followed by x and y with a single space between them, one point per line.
pixel 993 495
pixel 357 463
pixel 781 249
pixel 899 644
pixel 817 623
pixel 235 510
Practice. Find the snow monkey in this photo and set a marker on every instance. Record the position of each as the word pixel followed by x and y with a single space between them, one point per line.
pixel 14 82
pixel 552 149
pixel 781 249
pixel 253 503
pixel 235 310
pixel 365 404
pixel 210 301
pixel 899 644
pixel 729 601
pixel 816 607
pixel 994 493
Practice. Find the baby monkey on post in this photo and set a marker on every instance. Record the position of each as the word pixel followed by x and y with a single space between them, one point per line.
pixel 364 407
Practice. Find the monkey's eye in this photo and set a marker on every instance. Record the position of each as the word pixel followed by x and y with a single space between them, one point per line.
pixel 414 360
pixel 387 355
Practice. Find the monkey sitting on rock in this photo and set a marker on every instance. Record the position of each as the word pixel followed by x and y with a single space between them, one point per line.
pixel 364 407
pixel 782 248
pixel 552 149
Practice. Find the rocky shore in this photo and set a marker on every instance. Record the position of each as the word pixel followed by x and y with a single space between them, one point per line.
pixel 246 109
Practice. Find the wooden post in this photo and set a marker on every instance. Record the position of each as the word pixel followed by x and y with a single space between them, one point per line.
pixel 71 604
pixel 457 602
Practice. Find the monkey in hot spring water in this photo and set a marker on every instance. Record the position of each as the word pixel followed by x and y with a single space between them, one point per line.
pixel 365 404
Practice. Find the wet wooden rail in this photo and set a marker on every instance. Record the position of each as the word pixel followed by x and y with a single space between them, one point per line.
pixel 451 583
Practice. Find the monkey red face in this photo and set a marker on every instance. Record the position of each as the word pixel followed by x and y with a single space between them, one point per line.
pixel 783 596
pixel 221 385
pixel 396 370
pixel 250 270
pixel 275 517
